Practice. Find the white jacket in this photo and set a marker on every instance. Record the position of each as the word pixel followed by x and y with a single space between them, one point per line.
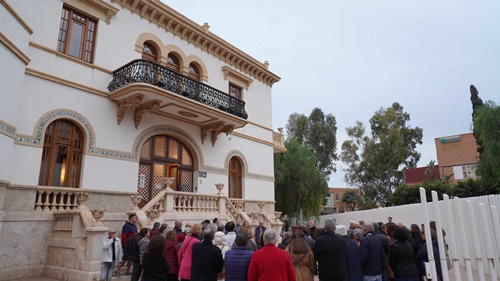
pixel 107 251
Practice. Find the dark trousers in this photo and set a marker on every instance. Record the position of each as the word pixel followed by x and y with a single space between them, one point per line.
pixel 136 271
pixel 172 277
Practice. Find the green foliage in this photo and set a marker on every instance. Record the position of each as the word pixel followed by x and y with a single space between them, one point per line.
pixel 487 129
pixel 318 133
pixel 410 194
pixel 374 163
pixel 299 187
pixel 472 188
pixel 350 198
pixel 477 102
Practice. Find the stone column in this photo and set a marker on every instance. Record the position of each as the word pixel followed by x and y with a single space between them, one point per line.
pixel 94 248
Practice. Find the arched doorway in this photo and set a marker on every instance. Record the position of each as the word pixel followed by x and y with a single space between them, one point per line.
pixel 164 156
pixel 62 154
pixel 235 178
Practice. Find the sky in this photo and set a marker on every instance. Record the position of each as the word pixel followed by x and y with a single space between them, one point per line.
pixel 352 57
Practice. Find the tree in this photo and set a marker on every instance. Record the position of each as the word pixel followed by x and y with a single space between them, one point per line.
pixel 299 187
pixel 410 194
pixel 487 128
pixel 374 163
pixel 350 198
pixel 430 171
pixel 477 102
pixel 318 133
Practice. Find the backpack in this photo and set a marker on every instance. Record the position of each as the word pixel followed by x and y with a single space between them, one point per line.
pixel 132 247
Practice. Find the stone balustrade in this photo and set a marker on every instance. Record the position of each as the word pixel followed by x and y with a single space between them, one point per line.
pixel 64 222
pixel 195 203
pixel 59 198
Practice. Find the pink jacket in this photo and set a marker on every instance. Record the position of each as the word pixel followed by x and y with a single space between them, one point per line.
pixel 185 256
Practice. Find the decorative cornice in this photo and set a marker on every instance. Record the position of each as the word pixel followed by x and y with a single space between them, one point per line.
pixel 16 16
pixel 105 11
pixel 236 77
pixel 14 49
pixel 7 129
pixel 172 21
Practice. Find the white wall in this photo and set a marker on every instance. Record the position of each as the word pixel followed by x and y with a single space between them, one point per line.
pixel 115 47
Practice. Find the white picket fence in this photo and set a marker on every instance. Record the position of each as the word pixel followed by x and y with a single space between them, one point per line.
pixel 472 228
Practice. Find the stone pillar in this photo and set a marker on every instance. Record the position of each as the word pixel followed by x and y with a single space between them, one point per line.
pixel 94 248
pixel 168 203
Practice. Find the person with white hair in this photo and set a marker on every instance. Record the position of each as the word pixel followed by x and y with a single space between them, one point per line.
pixel 220 242
pixel 341 230
pixel 207 261
pixel 330 251
pixel 270 262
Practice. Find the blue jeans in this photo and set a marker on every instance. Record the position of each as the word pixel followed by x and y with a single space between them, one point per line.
pixel 107 270
pixel 372 278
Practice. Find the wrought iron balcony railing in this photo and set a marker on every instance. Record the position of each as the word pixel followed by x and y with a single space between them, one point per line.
pixel 144 71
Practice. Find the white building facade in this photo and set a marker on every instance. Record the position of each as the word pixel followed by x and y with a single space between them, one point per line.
pixel 101 101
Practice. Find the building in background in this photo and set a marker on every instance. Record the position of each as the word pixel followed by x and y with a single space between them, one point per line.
pixel 457 156
pixel 418 175
pixel 110 108
pixel 333 201
pixel 457 159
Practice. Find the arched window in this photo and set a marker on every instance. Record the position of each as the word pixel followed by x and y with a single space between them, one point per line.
pixel 164 156
pixel 194 72
pixel 149 52
pixel 62 155
pixel 173 62
pixel 235 178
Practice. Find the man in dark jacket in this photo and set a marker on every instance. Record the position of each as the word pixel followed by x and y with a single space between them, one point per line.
pixel 237 260
pixel 207 259
pixel 373 257
pixel 129 230
pixel 330 251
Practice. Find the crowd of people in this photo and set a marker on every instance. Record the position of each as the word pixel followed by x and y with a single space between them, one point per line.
pixel 211 250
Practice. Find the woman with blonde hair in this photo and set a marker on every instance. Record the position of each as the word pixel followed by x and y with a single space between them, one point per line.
pixel 185 255
pixel 301 256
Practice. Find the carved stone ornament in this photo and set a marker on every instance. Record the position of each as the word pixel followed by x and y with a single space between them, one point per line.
pixel 136 199
pixel 277 215
pixel 150 106
pixel 130 102
pixel 215 128
pixel 152 214
pixel 82 198
pixel 219 187
pixel 168 182
pixel 98 214
pixel 238 205
pixel 254 216
pixel 261 205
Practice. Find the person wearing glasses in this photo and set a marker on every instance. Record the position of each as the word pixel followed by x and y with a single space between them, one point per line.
pixel 111 253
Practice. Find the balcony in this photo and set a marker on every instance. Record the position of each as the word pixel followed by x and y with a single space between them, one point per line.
pixel 146 86
pixel 279 141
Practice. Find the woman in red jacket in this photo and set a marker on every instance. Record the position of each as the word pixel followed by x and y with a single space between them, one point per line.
pixel 171 252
